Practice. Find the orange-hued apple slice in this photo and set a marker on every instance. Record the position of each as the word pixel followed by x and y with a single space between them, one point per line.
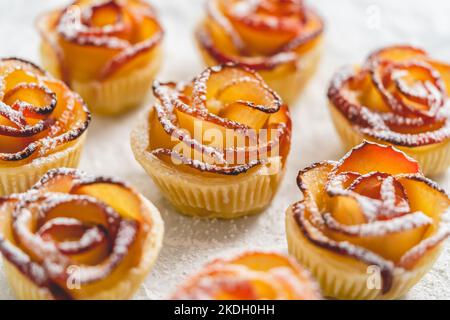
pixel 444 72
pixel 110 14
pixel 122 65
pixel 222 40
pixel 425 196
pixel 394 198
pixel 16 77
pixel 11 145
pixel 398 53
pixel 257 40
pixel 249 116
pixel 125 202
pixel 84 245
pixel 59 89
pixel 33 99
pixel 371 97
pixel 312 180
pixel 80 210
pixel 263 33
pixel 346 210
pixel 248 101
pixel 360 159
pixel 241 290
pixel 146 49
pixel 262 262
pixel 85 62
pixel 159 138
pixel 201 129
pixel 388 243
pixel 113 276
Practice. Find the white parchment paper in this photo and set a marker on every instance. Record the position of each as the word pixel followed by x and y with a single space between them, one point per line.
pixel 353 29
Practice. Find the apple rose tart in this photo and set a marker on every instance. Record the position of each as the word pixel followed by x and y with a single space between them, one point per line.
pixel 42 125
pixel 281 39
pixel 75 236
pixel 107 51
pixel 216 146
pixel 369 226
pixel 250 276
pixel 398 97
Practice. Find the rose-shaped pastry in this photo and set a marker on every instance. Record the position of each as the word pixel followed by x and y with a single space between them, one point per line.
pixel 369 226
pixel 398 97
pixel 75 236
pixel 216 146
pixel 42 125
pixel 250 276
pixel 107 51
pixel 281 39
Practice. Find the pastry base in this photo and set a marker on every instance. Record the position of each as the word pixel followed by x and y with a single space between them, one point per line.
pixel 225 197
pixel 288 80
pixel 21 178
pixel 434 159
pixel 112 96
pixel 24 289
pixel 345 277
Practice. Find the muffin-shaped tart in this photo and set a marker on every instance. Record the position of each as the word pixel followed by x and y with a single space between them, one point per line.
pixel 399 96
pixel 280 39
pixel 42 125
pixel 370 225
pixel 75 236
pixel 216 146
pixel 250 276
pixel 107 51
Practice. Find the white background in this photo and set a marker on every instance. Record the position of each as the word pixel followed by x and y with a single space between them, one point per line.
pixel 353 29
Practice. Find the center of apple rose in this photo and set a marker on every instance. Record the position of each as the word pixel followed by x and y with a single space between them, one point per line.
pixel 31 98
pixel 385 192
pixel 23 110
pixel 103 15
pixel 423 92
pixel 72 237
